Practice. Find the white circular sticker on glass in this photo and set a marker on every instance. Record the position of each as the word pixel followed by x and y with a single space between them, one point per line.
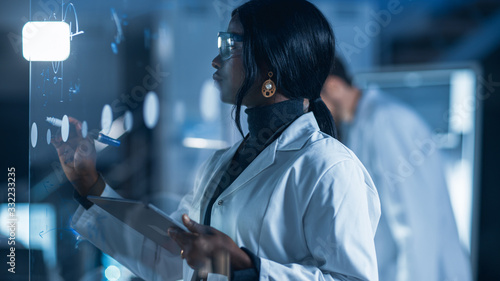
pixel 85 129
pixel 65 128
pixel 49 136
pixel 151 110
pixel 128 121
pixel 34 134
pixel 106 119
pixel 112 273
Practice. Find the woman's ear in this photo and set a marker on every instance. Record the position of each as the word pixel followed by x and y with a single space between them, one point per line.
pixel 306 105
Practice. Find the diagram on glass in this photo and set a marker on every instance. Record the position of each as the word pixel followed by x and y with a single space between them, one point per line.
pixel 54 74
pixel 77 28
pixel 119 21
pixel 74 89
pixel 44 87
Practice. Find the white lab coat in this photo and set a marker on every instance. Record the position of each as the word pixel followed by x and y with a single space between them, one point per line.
pixel 306 206
pixel 417 238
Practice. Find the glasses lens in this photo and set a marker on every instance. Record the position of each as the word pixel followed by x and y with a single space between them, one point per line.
pixel 225 43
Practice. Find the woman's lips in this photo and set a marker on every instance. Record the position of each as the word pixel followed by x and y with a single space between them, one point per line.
pixel 216 77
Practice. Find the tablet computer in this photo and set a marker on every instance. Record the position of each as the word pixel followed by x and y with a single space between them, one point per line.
pixel 144 218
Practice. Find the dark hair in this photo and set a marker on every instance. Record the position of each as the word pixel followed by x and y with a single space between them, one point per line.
pixel 293 39
pixel 338 70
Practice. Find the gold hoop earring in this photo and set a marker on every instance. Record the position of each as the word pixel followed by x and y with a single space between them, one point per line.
pixel 269 88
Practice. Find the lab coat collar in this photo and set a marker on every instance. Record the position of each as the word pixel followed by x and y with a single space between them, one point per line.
pixel 297 134
pixel 293 138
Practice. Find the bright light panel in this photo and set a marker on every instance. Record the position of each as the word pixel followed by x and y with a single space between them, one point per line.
pixel 46 41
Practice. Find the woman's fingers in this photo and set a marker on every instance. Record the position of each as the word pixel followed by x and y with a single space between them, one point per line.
pixel 77 124
pixel 182 238
pixel 202 244
pixel 192 250
pixel 74 135
pixel 56 140
pixel 195 227
pixel 85 149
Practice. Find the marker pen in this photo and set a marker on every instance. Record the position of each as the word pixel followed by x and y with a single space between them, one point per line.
pixel 102 138
pixel 54 121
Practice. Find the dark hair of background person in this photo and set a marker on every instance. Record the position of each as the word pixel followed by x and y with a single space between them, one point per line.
pixel 339 70
pixel 293 39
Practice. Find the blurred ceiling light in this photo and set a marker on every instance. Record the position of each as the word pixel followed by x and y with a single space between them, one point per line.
pixel 46 41
pixel 462 101
pixel 204 143
pixel 209 101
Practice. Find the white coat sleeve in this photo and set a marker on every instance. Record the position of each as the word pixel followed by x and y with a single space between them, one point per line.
pixel 140 255
pixel 339 226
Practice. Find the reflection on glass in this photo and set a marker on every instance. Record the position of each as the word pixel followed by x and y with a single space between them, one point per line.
pixel 151 110
pixel 106 119
pixel 85 129
pixel 49 136
pixel 34 134
pixel 128 121
pixel 65 128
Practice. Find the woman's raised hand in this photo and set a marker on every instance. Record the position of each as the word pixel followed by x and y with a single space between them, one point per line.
pixel 78 158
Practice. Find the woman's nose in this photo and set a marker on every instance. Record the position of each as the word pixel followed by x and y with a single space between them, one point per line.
pixel 216 62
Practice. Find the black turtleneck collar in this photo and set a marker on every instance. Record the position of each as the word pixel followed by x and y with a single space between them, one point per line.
pixel 264 121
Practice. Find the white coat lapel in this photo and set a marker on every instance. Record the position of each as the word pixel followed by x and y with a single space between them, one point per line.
pixel 293 138
pixel 222 162
pixel 260 163
pixel 209 184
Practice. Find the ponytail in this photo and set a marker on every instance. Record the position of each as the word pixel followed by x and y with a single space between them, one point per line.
pixel 323 117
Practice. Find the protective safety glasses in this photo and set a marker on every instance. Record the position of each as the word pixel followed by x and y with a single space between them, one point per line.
pixel 226 42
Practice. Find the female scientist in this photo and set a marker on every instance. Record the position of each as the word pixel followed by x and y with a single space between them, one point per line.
pixel 288 202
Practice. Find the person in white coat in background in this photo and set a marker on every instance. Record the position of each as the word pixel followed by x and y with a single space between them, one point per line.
pixel 417 238
pixel 288 202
